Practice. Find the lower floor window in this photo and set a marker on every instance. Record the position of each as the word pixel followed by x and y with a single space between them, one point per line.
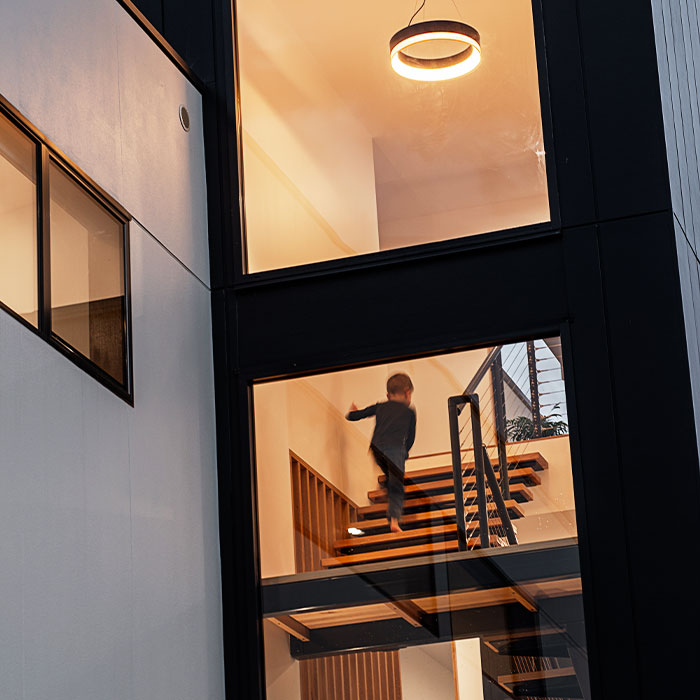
pixel 417 528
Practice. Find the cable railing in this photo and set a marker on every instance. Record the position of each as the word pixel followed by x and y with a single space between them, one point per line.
pixel 516 395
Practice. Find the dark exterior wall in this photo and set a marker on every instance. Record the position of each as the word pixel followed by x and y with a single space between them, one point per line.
pixel 606 276
pixel 677 27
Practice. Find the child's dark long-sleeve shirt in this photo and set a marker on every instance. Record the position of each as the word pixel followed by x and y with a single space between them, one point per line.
pixel 394 430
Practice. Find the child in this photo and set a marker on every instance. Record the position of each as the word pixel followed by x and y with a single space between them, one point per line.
pixel 394 433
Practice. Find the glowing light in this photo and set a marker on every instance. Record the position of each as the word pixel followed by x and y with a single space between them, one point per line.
pixel 430 69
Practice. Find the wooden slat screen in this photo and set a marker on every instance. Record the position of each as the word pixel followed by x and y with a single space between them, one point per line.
pixel 321 515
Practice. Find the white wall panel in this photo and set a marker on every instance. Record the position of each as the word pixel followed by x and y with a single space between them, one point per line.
pixel 177 624
pixel 165 187
pixel 85 74
pixel 676 26
pixel 110 583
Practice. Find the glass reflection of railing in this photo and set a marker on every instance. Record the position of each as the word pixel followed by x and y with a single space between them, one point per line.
pixel 519 395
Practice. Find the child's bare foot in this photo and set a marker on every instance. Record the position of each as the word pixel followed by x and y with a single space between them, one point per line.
pixel 394 525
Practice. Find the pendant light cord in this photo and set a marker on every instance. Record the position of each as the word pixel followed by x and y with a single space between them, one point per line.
pixel 416 12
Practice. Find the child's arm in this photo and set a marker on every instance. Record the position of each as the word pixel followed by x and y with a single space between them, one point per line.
pixel 355 414
pixel 411 436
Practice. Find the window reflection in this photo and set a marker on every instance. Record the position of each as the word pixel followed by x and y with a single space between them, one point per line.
pixel 18 222
pixel 87 275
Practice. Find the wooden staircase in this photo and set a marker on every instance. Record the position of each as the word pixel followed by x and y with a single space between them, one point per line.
pixel 429 515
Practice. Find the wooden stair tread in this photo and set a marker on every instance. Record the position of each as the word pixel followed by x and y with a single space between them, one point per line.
pixel 537 675
pixel 364 540
pixel 434 515
pixel 546 683
pixel 539 461
pixel 517 492
pixel 400 552
pixel 526 474
pixel 406 535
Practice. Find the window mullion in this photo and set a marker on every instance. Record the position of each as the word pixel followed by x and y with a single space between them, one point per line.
pixel 44 248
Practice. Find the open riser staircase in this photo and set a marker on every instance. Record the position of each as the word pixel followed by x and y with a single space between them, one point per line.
pixel 429 520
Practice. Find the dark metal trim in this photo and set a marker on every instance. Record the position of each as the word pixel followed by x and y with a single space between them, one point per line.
pixel 420 251
pixel 479 468
pixel 499 408
pixel 160 41
pixel 442 627
pixel 453 404
pixel 461 571
pixel 534 389
pixel 44 243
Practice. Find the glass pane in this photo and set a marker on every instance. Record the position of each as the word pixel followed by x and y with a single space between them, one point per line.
pixel 18 222
pixel 87 275
pixel 384 560
pixel 342 155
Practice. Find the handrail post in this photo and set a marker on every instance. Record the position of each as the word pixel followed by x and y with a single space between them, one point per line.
pixel 498 499
pixel 499 405
pixel 453 405
pixel 534 389
pixel 479 472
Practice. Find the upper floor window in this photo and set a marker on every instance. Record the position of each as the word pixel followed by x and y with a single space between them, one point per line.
pixel 343 155
pixel 63 254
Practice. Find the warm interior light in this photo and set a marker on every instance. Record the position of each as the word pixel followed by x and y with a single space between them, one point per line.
pixel 355 531
pixel 460 63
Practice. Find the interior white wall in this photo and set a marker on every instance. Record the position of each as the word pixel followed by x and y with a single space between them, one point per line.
pixel 282 678
pixel 300 205
pixel 307 416
pixel 110 583
pixel 466 656
pixel 426 672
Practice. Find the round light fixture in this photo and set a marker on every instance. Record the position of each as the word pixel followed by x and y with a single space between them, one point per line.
pixel 414 67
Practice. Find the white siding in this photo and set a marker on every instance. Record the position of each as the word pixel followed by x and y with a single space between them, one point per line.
pixel 110 581
pixel 677 30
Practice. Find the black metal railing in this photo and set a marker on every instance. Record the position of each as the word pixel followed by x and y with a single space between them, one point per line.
pixel 522 392
pixel 483 472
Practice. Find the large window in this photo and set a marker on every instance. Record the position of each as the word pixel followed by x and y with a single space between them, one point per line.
pixel 342 155
pixel 63 254
pixel 477 593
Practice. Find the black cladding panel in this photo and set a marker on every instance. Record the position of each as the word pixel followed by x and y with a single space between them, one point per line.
pixel 416 306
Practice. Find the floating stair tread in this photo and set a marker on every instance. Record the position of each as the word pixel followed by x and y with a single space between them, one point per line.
pixel 400 552
pixel 366 540
pixel 539 463
pixel 537 644
pixel 407 535
pixel 433 516
pixel 525 475
pixel 378 519
pixel 518 492
pixel 554 682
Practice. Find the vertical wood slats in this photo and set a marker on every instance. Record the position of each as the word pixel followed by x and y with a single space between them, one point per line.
pixel 321 515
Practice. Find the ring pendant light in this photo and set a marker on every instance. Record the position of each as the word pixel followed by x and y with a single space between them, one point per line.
pixel 429 69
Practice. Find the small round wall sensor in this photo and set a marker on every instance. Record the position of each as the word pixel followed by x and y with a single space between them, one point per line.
pixel 184 118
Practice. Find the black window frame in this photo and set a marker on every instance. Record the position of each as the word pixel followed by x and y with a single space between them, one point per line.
pixel 47 154
pixel 243 278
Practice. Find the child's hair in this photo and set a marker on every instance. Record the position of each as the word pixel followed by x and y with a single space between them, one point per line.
pixel 398 383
